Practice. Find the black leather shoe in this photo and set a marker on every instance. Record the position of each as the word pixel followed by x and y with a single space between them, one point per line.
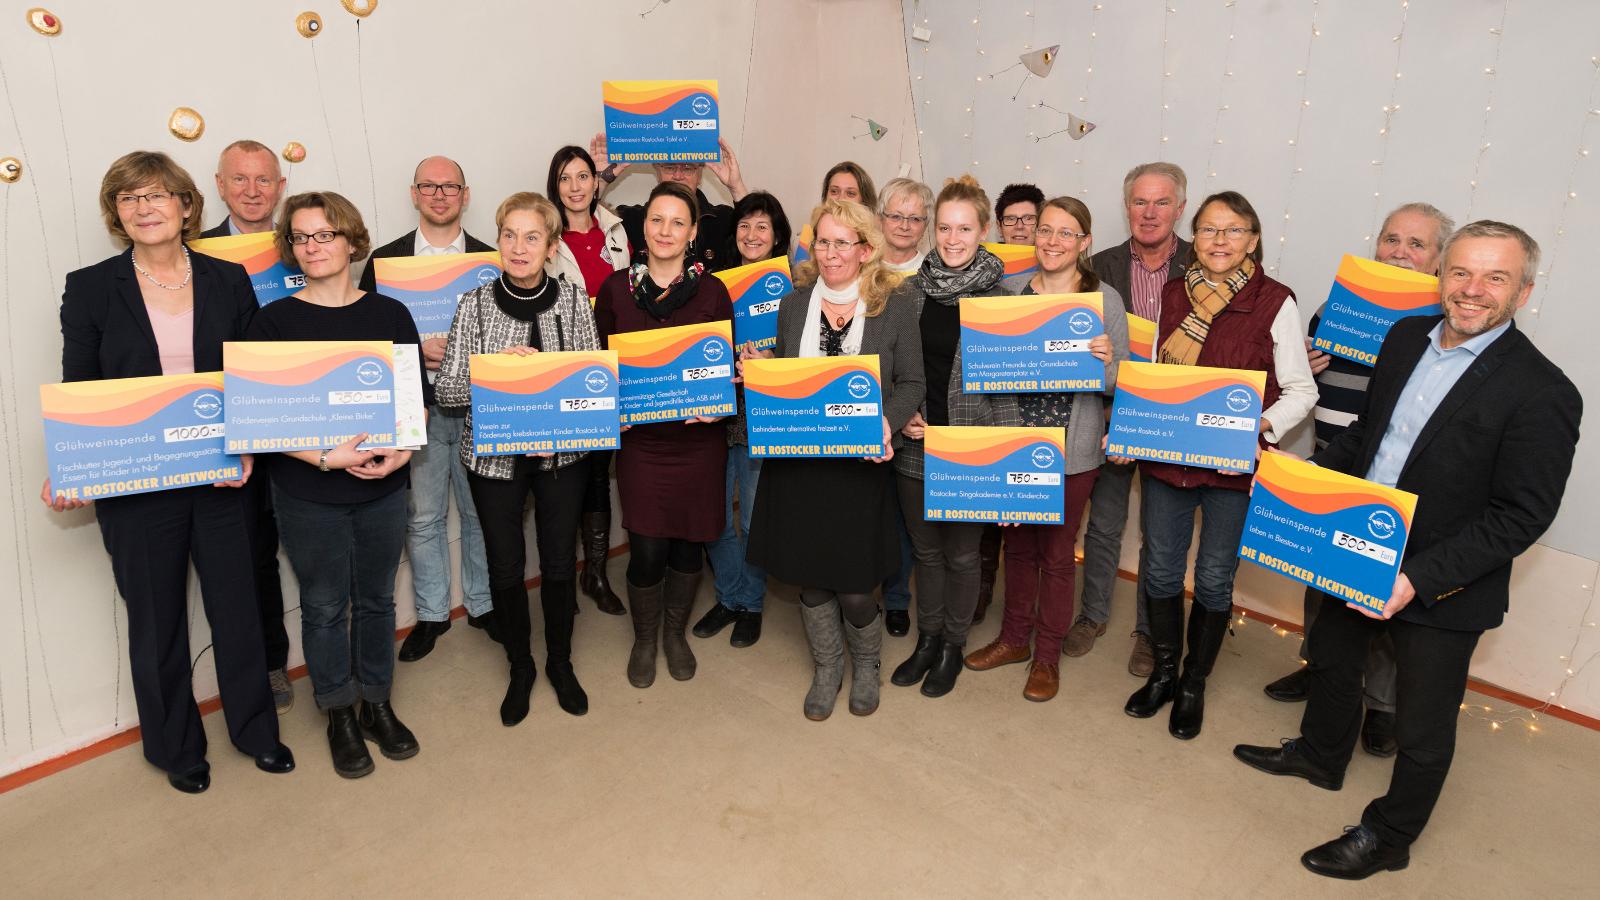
pixel 420 641
pixel 350 756
pixel 716 618
pixel 1377 734
pixel 1294 687
pixel 486 623
pixel 1288 760
pixel 1355 855
pixel 919 662
pixel 276 761
pixel 394 740
pixel 192 781
pixel 514 708
pixel 942 677
pixel 897 622
pixel 747 629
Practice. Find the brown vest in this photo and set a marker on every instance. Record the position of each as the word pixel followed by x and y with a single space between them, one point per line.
pixel 1240 338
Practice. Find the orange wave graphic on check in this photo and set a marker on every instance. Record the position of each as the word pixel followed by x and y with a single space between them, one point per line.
pixel 1390 287
pixel 1162 383
pixel 1011 316
pixel 1321 491
pixel 120 401
pixel 256 252
pixel 659 346
pixel 298 362
pixel 1142 337
pixel 794 378
pixel 429 273
pixel 539 372
pixel 1018 258
pixel 982 446
pixel 646 98
pixel 743 278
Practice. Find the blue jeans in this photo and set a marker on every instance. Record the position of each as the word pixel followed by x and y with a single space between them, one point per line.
pixel 740 584
pixel 345 555
pixel 1168 520
pixel 897 587
pixel 435 469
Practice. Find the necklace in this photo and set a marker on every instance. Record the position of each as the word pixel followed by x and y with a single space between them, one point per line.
pixel 188 272
pixel 839 320
pixel 537 292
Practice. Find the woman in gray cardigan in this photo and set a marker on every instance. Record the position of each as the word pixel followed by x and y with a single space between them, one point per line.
pixel 1039 558
pixel 525 311
pixel 829 524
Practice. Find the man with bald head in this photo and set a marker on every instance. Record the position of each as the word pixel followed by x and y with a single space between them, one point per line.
pixel 440 195
pixel 250 185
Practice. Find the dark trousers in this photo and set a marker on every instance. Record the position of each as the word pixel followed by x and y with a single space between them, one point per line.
pixel 1431 678
pixel 151 539
pixel 269 587
pixel 947 567
pixel 558 503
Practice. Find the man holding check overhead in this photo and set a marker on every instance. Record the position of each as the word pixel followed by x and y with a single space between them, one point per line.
pixel 1465 413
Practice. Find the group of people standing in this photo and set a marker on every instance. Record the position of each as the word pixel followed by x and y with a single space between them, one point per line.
pixel 886 274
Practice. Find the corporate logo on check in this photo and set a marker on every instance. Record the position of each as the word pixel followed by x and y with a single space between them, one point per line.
pixel 757 289
pixel 269 277
pixel 431 286
pixel 1190 415
pixel 558 402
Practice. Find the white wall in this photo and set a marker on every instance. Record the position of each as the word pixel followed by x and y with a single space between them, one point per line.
pixel 498 85
pixel 1523 153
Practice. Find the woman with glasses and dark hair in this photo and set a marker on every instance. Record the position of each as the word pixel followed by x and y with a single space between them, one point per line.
pixel 1225 312
pixel 158 309
pixel 669 474
pixel 593 245
pixel 342 509
pixel 848 181
pixel 1016 212
pixel 760 232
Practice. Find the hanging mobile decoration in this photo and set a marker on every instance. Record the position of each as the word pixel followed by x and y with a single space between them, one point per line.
pixel 10 170
pixel 308 23
pixel 874 130
pixel 359 8
pixel 1077 126
pixel 44 21
pixel 186 124
pixel 1037 62
pixel 657 5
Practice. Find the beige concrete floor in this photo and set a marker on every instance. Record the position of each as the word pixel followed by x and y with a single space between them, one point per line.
pixel 718 787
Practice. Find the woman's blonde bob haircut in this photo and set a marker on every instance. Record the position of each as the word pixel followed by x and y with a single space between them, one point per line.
pixel 877 280
pixel 528 201
pixel 144 167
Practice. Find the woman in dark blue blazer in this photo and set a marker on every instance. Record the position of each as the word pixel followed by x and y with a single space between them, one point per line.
pixel 158 309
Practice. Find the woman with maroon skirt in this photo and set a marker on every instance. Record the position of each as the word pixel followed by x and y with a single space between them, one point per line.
pixel 669 474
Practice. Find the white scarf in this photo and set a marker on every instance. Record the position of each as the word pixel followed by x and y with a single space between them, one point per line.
pixel 811 334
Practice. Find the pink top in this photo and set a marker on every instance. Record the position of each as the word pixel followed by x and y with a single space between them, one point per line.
pixel 174 340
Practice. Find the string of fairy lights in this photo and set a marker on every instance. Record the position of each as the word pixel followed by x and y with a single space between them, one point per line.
pixel 1591 113
pixel 1295 169
pixel 1489 72
pixel 1232 6
pixel 1167 12
pixel 1389 110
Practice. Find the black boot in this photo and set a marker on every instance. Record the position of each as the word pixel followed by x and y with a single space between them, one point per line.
pixel 988 565
pixel 676 603
pixel 596 531
pixel 919 662
pixel 942 677
pixel 514 708
pixel 394 739
pixel 1166 639
pixel 557 599
pixel 645 605
pixel 1206 630
pixel 350 756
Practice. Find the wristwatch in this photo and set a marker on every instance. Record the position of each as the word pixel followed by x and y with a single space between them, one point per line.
pixel 608 174
pixel 322 463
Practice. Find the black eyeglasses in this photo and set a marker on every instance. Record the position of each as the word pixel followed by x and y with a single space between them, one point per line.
pixel 428 189
pixel 1009 221
pixel 322 237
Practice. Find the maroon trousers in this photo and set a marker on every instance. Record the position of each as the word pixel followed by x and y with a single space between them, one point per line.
pixel 1040 570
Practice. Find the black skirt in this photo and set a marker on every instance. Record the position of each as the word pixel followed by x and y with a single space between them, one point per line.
pixel 826 523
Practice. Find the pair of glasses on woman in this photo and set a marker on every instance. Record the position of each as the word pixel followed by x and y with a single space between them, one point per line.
pixel 322 237
pixel 1010 221
pixel 156 199
pixel 897 219
pixel 1207 232
pixel 1047 233
pixel 825 245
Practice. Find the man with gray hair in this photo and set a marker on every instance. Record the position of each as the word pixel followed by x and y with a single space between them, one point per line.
pixel 1468 415
pixel 1154 195
pixel 1412 237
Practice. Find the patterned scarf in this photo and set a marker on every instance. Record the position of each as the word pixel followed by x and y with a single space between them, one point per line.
pixel 661 304
pixel 947 286
pixel 1182 347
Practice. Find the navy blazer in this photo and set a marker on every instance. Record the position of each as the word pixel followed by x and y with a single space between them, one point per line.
pixel 1488 469
pixel 221 230
pixel 106 332
pixel 406 245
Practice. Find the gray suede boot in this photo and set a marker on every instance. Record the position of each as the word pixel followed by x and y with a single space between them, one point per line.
pixel 865 646
pixel 827 651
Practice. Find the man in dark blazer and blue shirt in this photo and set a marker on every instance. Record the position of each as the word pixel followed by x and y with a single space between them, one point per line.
pixel 1467 414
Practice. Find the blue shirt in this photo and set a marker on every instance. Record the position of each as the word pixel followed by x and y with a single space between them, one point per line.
pixel 1436 373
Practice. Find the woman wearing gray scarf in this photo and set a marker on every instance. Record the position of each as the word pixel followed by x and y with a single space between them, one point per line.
pixel 946 552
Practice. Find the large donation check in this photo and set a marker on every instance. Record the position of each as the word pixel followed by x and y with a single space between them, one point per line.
pixel 430 286
pixel 1190 415
pixel 134 435
pixel 269 277
pixel 661 121
pixel 757 289
pixel 1366 299
pixel 671 374
pixel 973 474
pixel 814 406
pixel 1031 344
pixel 305 395
pixel 562 402
pixel 1342 535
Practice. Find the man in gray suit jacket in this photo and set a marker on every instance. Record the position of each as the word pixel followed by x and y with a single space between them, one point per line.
pixel 1155 195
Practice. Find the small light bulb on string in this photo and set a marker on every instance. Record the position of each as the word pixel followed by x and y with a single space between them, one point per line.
pixel 1216 119
pixel 1578 159
pixel 1489 72
pixel 1299 122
